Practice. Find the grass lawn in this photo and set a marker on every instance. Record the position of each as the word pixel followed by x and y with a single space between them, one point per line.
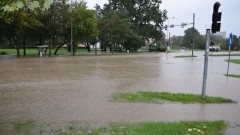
pixel 185 56
pixel 34 51
pixel 236 76
pixel 146 128
pixel 235 54
pixel 158 98
pixel 235 61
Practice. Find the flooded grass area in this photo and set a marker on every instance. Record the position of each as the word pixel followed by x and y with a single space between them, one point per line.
pixel 236 76
pixel 185 56
pixel 160 98
pixel 235 61
pixel 143 128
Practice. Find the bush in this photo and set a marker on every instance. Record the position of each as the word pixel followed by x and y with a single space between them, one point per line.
pixel 3 53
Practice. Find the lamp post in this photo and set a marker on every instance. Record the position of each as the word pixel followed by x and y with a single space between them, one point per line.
pixel 193 32
pixel 168 37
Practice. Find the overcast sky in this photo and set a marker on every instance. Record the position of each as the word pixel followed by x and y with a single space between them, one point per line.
pixel 182 11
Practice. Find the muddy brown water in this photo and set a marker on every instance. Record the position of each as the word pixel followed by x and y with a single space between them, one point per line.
pixel 66 89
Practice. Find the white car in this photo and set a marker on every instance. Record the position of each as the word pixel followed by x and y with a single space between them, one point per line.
pixel 214 48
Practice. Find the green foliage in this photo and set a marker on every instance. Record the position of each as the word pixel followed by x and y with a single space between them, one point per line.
pixel 15 5
pixel 115 29
pixel 133 43
pixel 3 53
pixel 219 40
pixel 236 43
pixel 146 16
pixel 199 41
pixel 85 23
pixel 52 26
pixel 156 97
pixel 176 41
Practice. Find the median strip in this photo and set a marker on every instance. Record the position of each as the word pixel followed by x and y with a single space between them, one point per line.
pixel 164 97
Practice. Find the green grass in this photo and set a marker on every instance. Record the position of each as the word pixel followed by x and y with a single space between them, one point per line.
pixel 231 75
pixel 161 128
pixel 158 98
pixel 235 54
pixel 235 61
pixel 185 56
pixel 144 128
pixel 34 51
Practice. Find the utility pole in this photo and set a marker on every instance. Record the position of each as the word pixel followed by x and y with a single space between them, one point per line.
pixel 205 64
pixel 169 40
pixel 71 40
pixel 193 32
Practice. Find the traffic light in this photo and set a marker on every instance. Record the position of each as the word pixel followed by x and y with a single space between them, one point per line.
pixel 216 17
pixel 166 27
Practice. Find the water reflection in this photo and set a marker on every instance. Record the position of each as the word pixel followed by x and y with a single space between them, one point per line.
pixel 65 89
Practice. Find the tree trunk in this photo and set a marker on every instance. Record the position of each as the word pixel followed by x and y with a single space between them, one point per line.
pixel 88 48
pixel 60 46
pixel 24 47
pixel 50 47
pixel 18 49
pixel 17 46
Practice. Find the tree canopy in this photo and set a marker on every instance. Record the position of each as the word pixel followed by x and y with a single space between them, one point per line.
pixel 145 15
pixel 188 39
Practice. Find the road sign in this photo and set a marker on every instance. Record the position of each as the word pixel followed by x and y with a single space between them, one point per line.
pixel 230 40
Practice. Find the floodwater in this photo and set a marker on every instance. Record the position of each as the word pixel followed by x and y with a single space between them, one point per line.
pixel 66 89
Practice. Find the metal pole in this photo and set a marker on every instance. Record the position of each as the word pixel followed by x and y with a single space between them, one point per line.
pixel 229 48
pixel 205 64
pixel 71 40
pixel 168 29
pixel 169 40
pixel 193 32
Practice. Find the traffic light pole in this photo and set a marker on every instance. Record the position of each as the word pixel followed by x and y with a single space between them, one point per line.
pixel 205 64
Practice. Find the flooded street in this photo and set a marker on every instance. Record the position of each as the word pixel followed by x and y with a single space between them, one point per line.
pixel 66 89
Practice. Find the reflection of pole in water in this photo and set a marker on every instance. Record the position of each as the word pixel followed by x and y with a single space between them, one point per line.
pixel 229 57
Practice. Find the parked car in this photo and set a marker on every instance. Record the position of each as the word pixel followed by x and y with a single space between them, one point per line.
pixel 214 48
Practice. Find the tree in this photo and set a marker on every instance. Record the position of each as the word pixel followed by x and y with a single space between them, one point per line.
pixel 16 5
pixel 235 43
pixel 176 41
pixel 115 28
pixel 17 25
pixel 56 25
pixel 85 25
pixel 146 16
pixel 188 36
pixel 219 40
pixel 16 15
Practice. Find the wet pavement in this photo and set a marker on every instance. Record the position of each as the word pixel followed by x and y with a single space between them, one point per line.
pixel 66 89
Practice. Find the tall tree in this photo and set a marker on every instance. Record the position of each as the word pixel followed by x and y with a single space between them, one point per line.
pixel 187 39
pixel 17 15
pixel 84 25
pixel 235 43
pixel 146 16
pixel 115 28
